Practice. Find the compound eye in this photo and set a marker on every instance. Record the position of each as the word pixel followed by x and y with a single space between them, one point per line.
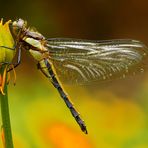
pixel 21 23
pixel 17 26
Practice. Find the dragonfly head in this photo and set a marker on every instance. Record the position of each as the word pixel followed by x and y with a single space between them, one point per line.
pixel 18 26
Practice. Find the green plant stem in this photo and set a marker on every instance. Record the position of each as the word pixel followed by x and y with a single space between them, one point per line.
pixel 8 142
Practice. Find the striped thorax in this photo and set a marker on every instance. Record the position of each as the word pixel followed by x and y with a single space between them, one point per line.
pixel 31 40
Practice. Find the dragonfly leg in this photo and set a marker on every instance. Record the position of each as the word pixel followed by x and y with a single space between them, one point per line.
pixel 69 104
pixel 8 47
pixel 18 59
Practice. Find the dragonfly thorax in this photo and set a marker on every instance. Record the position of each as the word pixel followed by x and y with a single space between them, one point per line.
pixel 20 30
pixel 29 38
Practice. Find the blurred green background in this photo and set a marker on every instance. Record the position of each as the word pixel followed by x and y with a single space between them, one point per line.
pixel 115 113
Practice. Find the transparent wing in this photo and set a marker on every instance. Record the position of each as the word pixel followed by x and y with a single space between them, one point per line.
pixel 85 61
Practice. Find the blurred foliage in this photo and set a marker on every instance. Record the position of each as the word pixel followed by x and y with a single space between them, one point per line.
pixel 115 112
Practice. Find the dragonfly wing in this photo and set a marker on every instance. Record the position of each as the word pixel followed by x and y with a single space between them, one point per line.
pixel 85 61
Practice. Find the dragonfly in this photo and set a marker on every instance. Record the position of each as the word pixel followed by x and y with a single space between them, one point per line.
pixel 79 61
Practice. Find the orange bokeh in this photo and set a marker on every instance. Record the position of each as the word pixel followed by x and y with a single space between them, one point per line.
pixel 62 136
